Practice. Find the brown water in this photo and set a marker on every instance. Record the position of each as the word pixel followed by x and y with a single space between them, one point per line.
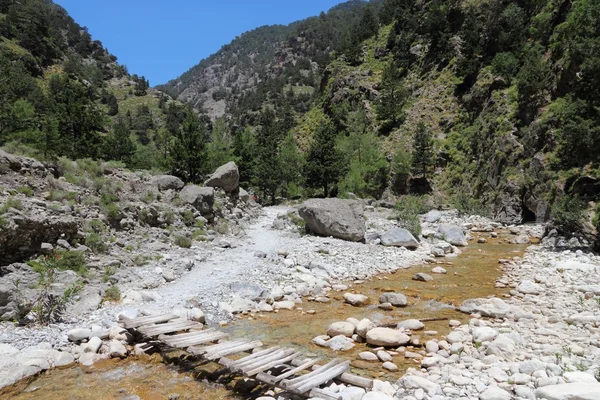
pixel 472 274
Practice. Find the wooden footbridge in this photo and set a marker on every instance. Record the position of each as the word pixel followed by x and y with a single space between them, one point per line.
pixel 283 368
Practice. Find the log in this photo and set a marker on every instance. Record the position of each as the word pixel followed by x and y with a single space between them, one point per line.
pixel 321 378
pixel 242 361
pixel 288 383
pixel 232 350
pixel 198 351
pixel 351 379
pixel 272 380
pixel 155 330
pixel 197 340
pixel 239 366
pixel 153 319
pixel 184 335
pixel 272 364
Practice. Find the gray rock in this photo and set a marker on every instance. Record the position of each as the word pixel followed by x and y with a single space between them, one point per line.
pixel 452 234
pixel 201 198
pixel 341 328
pixel 495 393
pixel 116 349
pixel 399 237
pixel 368 356
pixel 395 299
pixel 226 177
pixel 570 391
pixel 340 343
pixel 387 337
pixel 342 219
pixel 433 216
pixel 411 324
pixel 356 300
pixel 364 326
pixel 167 182
pixel 423 277
pixel 79 334
pixel 244 195
pixel 9 162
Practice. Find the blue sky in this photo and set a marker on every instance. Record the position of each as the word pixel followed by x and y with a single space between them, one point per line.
pixel 161 39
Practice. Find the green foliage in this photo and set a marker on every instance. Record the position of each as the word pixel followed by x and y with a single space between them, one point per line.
pixel 291 163
pixel 26 190
pixel 401 170
pixel 393 97
pixel 11 202
pixel 324 162
pixel 422 162
pixel 190 146
pixel 118 144
pixel 112 293
pixel 408 209
pixel 267 167
pixel 97 243
pixel 466 204
pixel 567 213
pixel 220 148
pixel 188 217
pixel 367 174
pixel 183 241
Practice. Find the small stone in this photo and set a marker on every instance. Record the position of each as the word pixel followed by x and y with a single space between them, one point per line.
pixel 341 328
pixel 356 300
pixel 79 334
pixel 384 355
pixel 411 324
pixel 390 366
pixel 422 277
pixel 438 270
pixel 368 356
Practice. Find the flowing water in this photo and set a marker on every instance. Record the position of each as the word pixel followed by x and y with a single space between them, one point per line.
pixel 472 274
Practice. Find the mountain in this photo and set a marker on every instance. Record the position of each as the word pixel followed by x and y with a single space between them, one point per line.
pixel 507 90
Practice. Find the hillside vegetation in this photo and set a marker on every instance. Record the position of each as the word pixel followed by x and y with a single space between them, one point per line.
pixel 490 105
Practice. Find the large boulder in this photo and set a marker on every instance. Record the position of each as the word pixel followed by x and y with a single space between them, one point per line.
pixel 226 177
pixel 387 337
pixel 201 198
pixel 570 391
pixel 395 299
pixel 9 162
pixel 167 182
pixel 452 234
pixel 399 237
pixel 342 219
pixel 22 235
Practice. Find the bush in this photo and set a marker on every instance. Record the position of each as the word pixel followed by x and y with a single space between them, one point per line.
pixel 408 209
pixel 11 202
pixel 71 260
pixel 97 243
pixel 567 213
pixel 113 212
pixel 60 195
pixel 113 293
pixel 467 205
pixel 26 190
pixel 188 218
pixel 182 241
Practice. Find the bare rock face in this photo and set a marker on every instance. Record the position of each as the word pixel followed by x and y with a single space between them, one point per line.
pixel 226 177
pixel 22 235
pixel 201 198
pixel 342 219
pixel 167 182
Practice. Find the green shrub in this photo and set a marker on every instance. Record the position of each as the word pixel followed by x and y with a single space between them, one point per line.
pixel 108 198
pixel 113 293
pixel 169 216
pixel 11 202
pixel 71 260
pixel 148 198
pixel 3 221
pixel 408 209
pixel 222 227
pixel 567 213
pixel 113 212
pixel 182 241
pixel 466 204
pixel 95 225
pixel 60 195
pixel 97 243
pixel 198 233
pixel 26 190
pixel 188 217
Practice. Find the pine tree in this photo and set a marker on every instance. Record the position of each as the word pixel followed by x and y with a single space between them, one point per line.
pixel 220 148
pixel 189 149
pixel 267 171
pixel 113 105
pixel 118 144
pixel 244 145
pixel 393 96
pixel 291 163
pixel 324 162
pixel 422 158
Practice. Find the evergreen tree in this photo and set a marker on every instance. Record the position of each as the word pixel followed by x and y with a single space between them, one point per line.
pixel 189 149
pixel 393 96
pixel 50 138
pixel 291 163
pixel 141 85
pixel 118 145
pixel 325 164
pixel 113 105
pixel 244 150
pixel 267 168
pixel 422 158
pixel 220 147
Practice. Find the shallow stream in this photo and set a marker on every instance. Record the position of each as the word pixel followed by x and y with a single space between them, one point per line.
pixel 472 274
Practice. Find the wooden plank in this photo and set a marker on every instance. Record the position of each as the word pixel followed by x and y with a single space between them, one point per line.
pixel 322 394
pixel 233 350
pixel 253 358
pixel 316 370
pixel 184 335
pixel 351 379
pixel 270 365
pixel 217 347
pixel 152 319
pixel 272 379
pixel 155 330
pixel 198 340
pixel 262 360
pixel 321 378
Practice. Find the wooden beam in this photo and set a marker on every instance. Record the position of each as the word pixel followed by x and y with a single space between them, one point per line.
pixel 184 335
pixel 272 364
pixel 232 350
pixel 272 379
pixel 152 319
pixel 216 347
pixel 288 383
pixel 155 330
pixel 255 356
pixel 321 378
pixel 197 340
pixel 351 379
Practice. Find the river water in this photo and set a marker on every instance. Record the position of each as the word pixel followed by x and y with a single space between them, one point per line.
pixel 472 274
